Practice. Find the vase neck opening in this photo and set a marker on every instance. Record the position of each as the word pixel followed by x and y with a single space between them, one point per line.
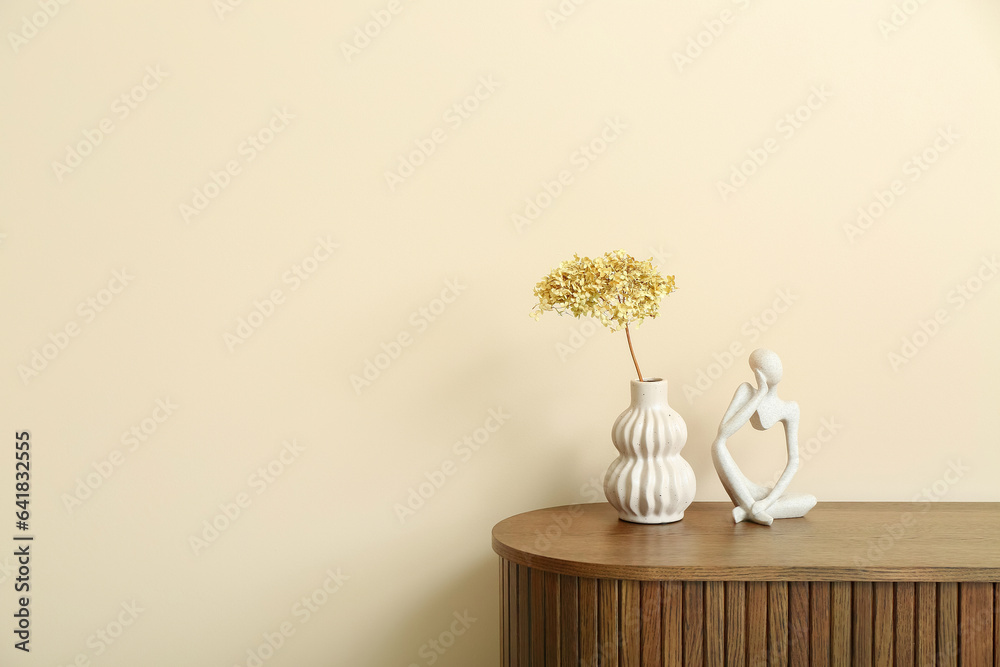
pixel 649 392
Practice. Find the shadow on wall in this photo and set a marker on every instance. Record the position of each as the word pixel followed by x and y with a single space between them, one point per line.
pixel 457 627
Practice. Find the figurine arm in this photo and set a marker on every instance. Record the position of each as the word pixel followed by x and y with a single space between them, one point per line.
pixel 742 406
pixel 791 424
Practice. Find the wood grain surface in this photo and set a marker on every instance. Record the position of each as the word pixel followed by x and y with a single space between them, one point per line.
pixel 834 542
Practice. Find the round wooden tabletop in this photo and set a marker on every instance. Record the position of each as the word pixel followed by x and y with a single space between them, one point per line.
pixel 834 542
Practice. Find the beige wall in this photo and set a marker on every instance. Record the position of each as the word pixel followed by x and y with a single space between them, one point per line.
pixel 776 259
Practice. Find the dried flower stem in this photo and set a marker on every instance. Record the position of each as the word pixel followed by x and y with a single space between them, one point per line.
pixel 629 337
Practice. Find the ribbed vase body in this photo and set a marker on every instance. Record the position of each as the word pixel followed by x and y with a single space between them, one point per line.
pixel 649 482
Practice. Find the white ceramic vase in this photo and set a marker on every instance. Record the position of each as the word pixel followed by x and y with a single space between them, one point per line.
pixel 649 482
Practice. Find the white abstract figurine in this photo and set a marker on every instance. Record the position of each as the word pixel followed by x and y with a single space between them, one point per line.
pixel 763 409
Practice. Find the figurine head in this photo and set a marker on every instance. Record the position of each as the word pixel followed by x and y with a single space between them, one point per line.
pixel 768 363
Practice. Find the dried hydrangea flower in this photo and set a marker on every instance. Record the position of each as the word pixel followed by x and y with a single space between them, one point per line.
pixel 615 289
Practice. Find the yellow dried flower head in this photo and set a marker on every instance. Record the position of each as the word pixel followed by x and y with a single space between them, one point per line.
pixel 615 289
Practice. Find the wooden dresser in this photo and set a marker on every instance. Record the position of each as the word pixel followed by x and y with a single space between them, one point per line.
pixel 849 584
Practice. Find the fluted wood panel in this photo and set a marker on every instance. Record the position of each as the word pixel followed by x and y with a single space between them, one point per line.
pixel 840 624
pixel 996 625
pixel 569 621
pixel 607 621
pixel 883 623
pixel 904 623
pixel 673 623
pixel 863 625
pixel 819 624
pixel 554 620
pixel 523 616
pixel 536 612
pixel 631 624
pixel 512 615
pixel 736 615
pixel 694 623
pixel 588 622
pixel 976 623
pixel 715 623
pixel 504 601
pixel 756 622
pixel 798 623
pixel 651 634
pixel 777 623
pixel 926 650
pixel 947 624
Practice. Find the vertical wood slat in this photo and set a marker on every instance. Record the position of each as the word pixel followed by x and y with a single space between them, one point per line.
pixel 504 611
pixel 819 623
pixel 512 623
pixel 777 623
pixel 552 618
pixel 904 623
pixel 798 623
pixel 947 624
pixel 630 629
pixel 976 628
pixel 840 624
pixel 756 622
pixel 569 627
pixel 673 623
pixel 736 609
pixel 537 611
pixel 548 619
pixel 861 628
pixel 607 621
pixel 523 616
pixel 715 623
pixel 883 633
pixel 650 634
pixel 996 625
pixel 926 624
pixel 694 614
pixel 588 622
